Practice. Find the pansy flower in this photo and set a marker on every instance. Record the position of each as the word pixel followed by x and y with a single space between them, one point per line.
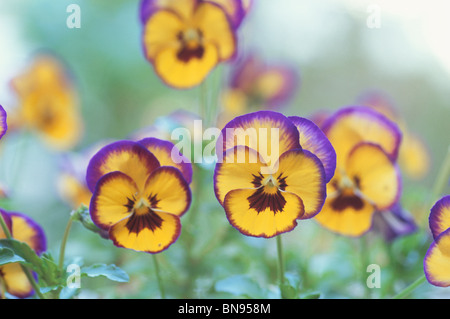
pixel 367 178
pixel 48 103
pixel 185 39
pixel 414 156
pixel 26 230
pixel 437 259
pixel 256 84
pixel 138 201
pixel 264 179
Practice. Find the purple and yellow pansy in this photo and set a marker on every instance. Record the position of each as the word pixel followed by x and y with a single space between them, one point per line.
pixel 437 258
pixel 136 198
pixel 24 229
pixel 414 155
pixel 48 103
pixel 367 179
pixel 185 39
pixel 264 179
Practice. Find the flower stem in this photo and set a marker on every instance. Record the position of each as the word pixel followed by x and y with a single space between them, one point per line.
pixel 405 292
pixel 62 249
pixel 25 269
pixel 158 277
pixel 280 263
pixel 442 178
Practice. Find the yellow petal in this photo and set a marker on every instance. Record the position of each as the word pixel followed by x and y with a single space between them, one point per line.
pixel 266 223
pixel 17 283
pixel 437 261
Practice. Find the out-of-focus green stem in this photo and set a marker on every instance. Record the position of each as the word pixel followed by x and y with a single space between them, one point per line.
pixel 62 249
pixel 442 178
pixel 405 292
pixel 280 263
pixel 158 277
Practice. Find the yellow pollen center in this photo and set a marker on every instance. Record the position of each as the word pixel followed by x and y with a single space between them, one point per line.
pixel 141 206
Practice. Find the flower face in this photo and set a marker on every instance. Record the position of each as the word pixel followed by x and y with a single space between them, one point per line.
pixel 437 259
pixel 367 178
pixel 185 40
pixel 26 230
pixel 48 103
pixel 136 199
pixel 3 124
pixel 263 198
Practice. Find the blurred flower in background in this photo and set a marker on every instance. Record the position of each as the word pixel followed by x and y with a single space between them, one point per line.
pixel 366 179
pixel 23 229
pixel 256 85
pixel 48 103
pixel 185 40
pixel 414 155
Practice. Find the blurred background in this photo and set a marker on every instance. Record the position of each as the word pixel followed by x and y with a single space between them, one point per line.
pixel 338 53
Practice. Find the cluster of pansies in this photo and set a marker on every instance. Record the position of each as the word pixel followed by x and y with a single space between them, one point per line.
pixel 437 259
pixel 265 179
pixel 139 193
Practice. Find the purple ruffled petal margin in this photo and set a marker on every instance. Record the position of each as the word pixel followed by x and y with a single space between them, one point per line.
pixel 94 172
pixel 366 112
pixel 39 240
pixel 439 216
pixel 426 261
pixel 3 124
pixel 288 131
pixel 181 161
pixel 314 140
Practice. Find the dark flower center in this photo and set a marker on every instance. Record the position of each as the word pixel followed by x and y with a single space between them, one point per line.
pixel 191 45
pixel 268 193
pixel 142 215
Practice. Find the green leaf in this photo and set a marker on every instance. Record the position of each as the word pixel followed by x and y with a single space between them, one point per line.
pixel 8 256
pixel 112 272
pixel 314 295
pixel 241 286
pixel 44 266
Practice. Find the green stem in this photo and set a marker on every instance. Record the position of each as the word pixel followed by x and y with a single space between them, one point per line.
pixel 158 277
pixel 442 178
pixel 280 263
pixel 25 269
pixel 405 292
pixel 62 249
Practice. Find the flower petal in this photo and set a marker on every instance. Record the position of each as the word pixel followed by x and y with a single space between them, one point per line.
pixel 183 8
pixel 237 170
pixel 127 157
pixel 26 230
pixel 314 140
pixel 352 125
pixel 437 261
pixel 234 10
pixel 375 175
pixel 266 223
pixel 168 155
pixel 3 124
pixel 346 214
pixel 213 22
pixel 150 236
pixel 169 190
pixel 440 216
pixel 270 133
pixel 111 199
pixel 16 282
pixel 304 176
pixel 183 74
